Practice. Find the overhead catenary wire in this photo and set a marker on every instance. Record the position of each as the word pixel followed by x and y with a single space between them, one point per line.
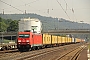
pixel 63 9
pixel 11 6
pixel 28 4
pixel 73 11
pixel 32 2
pixel 15 7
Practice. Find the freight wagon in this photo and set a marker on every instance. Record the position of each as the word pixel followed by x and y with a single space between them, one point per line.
pixel 30 40
pixel 46 40
pixel 8 46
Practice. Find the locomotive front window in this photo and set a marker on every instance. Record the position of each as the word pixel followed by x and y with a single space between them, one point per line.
pixel 24 35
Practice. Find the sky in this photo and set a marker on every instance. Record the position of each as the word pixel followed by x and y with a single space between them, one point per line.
pixel 73 10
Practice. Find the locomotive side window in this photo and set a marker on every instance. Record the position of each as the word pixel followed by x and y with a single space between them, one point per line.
pixel 24 35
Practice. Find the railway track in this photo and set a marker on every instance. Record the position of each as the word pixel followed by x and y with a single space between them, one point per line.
pixel 52 54
pixel 9 51
pixel 71 55
pixel 37 54
pixel 29 57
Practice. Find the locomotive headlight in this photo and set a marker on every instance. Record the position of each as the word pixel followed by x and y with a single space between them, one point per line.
pixel 19 40
pixel 27 40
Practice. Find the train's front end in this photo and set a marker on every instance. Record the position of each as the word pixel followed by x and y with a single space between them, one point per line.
pixel 23 41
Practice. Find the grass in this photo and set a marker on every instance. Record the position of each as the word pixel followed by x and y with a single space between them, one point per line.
pixel 7 41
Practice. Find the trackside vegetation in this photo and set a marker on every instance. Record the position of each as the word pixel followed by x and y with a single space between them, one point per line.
pixel 8 25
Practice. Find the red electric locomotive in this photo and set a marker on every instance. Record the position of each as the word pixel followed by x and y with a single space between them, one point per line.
pixel 29 40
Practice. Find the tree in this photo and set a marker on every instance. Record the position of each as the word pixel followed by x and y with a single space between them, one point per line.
pixel 8 25
pixel 3 26
pixel 0 19
pixel 13 26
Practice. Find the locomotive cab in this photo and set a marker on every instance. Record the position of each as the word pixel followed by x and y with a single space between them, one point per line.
pixel 28 40
pixel 23 41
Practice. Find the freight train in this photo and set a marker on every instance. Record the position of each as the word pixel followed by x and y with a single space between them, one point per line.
pixel 30 37
pixel 30 40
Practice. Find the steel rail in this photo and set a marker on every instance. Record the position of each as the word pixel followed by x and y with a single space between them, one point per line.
pixel 71 55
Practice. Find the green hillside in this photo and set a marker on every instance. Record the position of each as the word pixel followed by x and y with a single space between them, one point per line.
pixel 49 23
